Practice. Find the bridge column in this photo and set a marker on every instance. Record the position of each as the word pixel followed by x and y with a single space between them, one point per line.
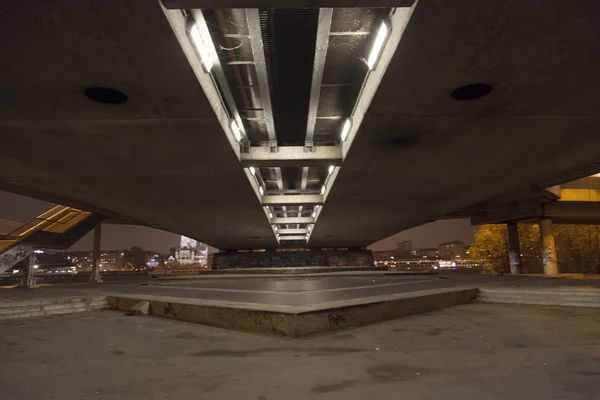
pixel 549 257
pixel 514 249
pixel 29 281
pixel 95 277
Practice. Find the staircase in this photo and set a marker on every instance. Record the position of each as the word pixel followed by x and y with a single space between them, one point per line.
pixel 58 228
pixel 51 306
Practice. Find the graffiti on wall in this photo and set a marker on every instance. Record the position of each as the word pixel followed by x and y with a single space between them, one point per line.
pixel 273 259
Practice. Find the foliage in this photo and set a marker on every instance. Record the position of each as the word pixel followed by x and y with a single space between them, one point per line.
pixel 134 257
pixel 491 247
pixel 577 247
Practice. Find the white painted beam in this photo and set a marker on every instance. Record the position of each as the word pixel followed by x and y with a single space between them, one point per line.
pixel 292 156
pixel 293 220
pixel 297 231
pixel 292 199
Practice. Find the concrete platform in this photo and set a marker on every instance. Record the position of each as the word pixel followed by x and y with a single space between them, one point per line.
pixel 287 270
pixel 306 305
pixel 298 321
pixel 475 351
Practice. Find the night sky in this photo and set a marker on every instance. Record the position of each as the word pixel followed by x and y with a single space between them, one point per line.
pixel 114 237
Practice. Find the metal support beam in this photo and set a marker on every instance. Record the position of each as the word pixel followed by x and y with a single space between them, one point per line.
pixel 292 156
pixel 292 199
pixel 188 4
pixel 292 231
pixel 549 256
pixel 293 237
pixel 514 249
pixel 29 281
pixel 303 183
pixel 324 26
pixel 260 64
pixel 95 276
pixel 293 220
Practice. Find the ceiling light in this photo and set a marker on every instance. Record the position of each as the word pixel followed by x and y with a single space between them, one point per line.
pixel 323 188
pixel 346 129
pixel 314 214
pixel 270 215
pixel 377 45
pixel 331 169
pixel 252 171
pixel 203 49
pixel 310 228
pixel 261 190
pixel 275 227
pixel 236 131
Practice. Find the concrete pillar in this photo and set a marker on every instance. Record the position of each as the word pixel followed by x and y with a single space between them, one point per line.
pixel 29 281
pixel 514 249
pixel 95 277
pixel 549 257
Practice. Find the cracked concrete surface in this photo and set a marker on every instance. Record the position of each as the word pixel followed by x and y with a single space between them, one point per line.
pixel 473 351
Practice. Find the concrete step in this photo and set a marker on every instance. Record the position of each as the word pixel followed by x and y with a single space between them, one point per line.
pixel 45 307
pixel 572 297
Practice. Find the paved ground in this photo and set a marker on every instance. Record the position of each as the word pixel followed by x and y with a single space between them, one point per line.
pixel 297 291
pixel 478 351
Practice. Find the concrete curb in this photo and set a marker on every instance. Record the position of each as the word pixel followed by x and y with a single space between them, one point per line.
pixel 52 306
pixel 299 322
pixel 572 297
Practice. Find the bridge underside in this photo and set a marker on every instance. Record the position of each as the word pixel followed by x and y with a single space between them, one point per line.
pixel 163 159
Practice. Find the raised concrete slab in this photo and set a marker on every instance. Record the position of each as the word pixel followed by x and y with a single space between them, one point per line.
pixel 298 321
pixel 288 270
pixel 178 279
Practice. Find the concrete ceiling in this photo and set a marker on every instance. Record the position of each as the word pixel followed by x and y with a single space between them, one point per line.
pixel 419 154
pixel 162 157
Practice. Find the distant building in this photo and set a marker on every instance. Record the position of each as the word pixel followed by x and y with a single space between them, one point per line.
pixel 185 256
pixel 452 250
pixel 109 259
pixel 426 253
pixel 404 247
pixel 192 252
pixel 383 256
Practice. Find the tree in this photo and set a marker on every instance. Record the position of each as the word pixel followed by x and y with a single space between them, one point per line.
pixel 577 248
pixel 490 246
pixel 134 257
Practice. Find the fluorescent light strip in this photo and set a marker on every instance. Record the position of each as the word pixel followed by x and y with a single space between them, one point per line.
pixel 252 171
pixel 236 131
pixel 377 45
pixel 203 49
pixel 346 129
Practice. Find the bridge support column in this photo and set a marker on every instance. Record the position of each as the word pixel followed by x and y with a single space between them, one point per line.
pixel 549 257
pixel 29 281
pixel 514 249
pixel 95 276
